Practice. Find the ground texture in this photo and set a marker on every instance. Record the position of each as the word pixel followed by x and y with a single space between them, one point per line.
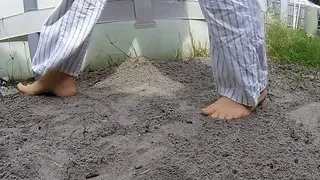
pixel 141 121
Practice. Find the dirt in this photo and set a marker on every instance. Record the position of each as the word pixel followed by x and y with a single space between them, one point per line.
pixel 141 121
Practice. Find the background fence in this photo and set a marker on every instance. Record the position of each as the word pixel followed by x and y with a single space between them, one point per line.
pixel 274 6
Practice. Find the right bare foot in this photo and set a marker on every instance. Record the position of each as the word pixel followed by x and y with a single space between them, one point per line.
pixel 227 109
pixel 55 82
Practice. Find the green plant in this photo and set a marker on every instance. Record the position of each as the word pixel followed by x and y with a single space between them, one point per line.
pixel 289 45
pixel 197 49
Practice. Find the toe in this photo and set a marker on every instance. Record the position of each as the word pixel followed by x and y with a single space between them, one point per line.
pixel 215 115
pixel 222 116
pixel 241 115
pixel 208 110
pixel 236 116
pixel 31 89
pixel 231 116
pixel 204 111
pixel 22 87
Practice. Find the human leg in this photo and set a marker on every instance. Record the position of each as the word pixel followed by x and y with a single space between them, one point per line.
pixel 238 56
pixel 62 46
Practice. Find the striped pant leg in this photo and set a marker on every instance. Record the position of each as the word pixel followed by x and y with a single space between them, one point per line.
pixel 238 49
pixel 65 36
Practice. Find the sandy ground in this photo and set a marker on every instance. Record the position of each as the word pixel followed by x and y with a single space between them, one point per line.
pixel 141 121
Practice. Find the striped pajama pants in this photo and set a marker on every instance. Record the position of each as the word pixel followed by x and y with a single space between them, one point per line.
pixel 65 36
pixel 236 34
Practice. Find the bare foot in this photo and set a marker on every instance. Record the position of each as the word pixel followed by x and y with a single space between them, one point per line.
pixel 227 109
pixel 55 82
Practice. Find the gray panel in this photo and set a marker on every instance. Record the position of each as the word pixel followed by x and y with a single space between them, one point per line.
pixel 144 15
pixel 31 5
pixel 164 9
pixel 33 39
pixel 117 11
pixel 124 10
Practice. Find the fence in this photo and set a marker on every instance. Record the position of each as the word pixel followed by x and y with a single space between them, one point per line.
pixel 289 10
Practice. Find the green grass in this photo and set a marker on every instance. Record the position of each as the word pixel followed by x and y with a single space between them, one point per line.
pixel 287 45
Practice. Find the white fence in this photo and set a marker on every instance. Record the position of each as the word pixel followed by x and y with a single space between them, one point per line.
pixel 296 12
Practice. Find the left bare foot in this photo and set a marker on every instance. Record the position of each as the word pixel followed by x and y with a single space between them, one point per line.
pixel 55 82
pixel 227 109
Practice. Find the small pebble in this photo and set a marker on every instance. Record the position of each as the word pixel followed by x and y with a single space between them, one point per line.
pixel 189 122
pixel 234 171
pixel 138 167
pixel 225 154
pixel 92 175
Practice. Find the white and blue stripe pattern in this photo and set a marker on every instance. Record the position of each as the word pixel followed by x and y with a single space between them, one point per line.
pixel 238 48
pixel 65 36
pixel 236 32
